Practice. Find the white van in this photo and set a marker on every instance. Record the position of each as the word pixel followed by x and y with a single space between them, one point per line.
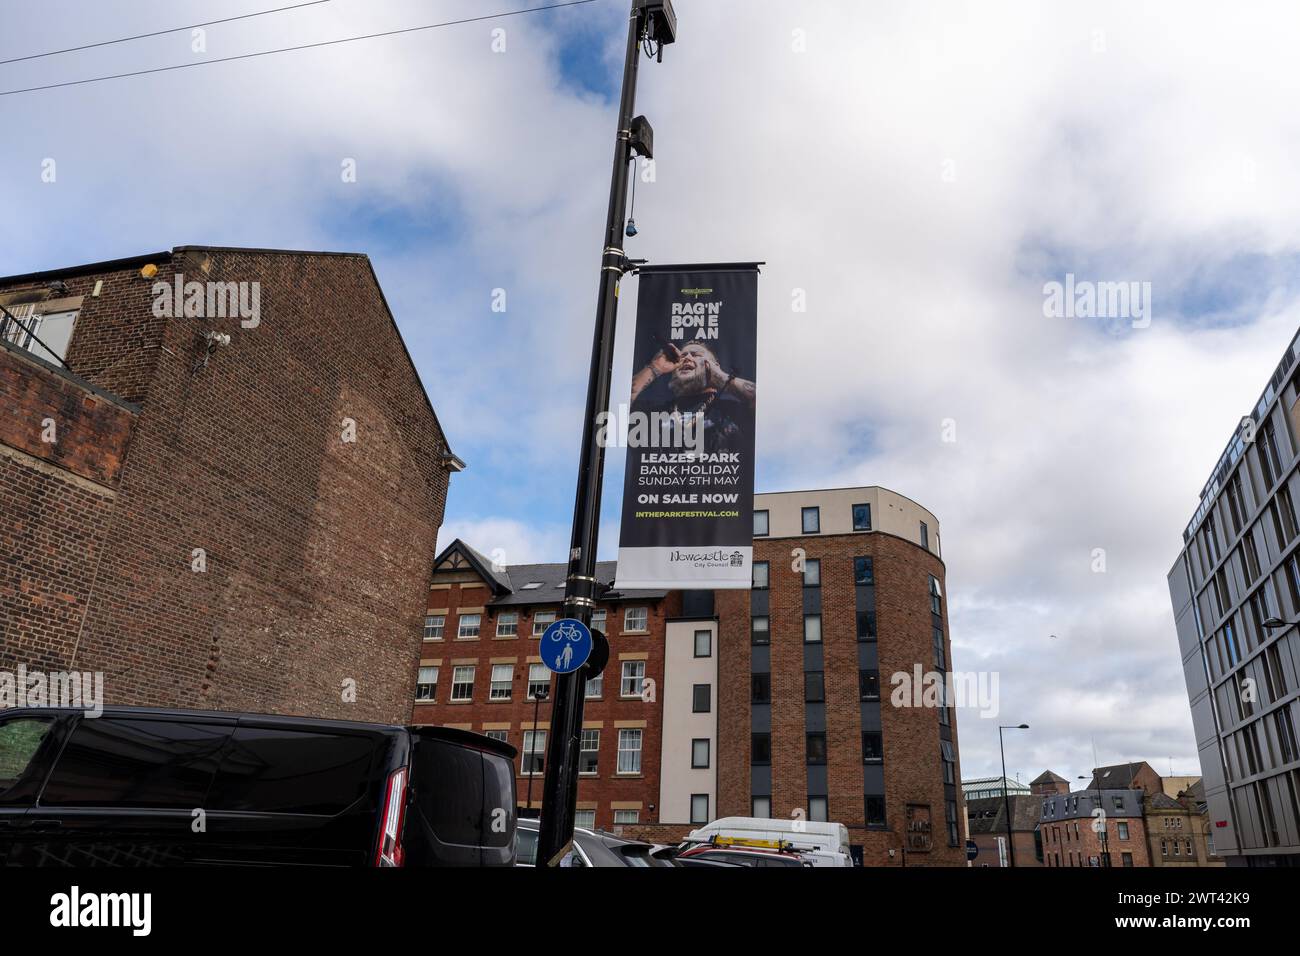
pixel 822 844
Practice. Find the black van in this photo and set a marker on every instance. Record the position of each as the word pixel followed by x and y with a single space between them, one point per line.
pixel 145 787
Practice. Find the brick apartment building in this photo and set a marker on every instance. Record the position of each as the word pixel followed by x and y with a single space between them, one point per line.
pixel 1069 839
pixel 770 702
pixel 242 526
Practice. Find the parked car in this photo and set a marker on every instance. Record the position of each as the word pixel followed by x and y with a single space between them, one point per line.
pixel 822 844
pixel 591 848
pixel 742 856
pixel 143 787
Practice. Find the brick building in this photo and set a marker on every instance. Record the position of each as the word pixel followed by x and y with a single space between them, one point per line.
pixel 988 830
pixel 776 701
pixel 244 524
pixel 1067 823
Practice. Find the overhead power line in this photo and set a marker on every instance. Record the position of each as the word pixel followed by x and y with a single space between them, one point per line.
pixel 291 49
pixel 158 33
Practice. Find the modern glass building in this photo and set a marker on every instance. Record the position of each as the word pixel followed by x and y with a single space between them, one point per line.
pixel 1236 597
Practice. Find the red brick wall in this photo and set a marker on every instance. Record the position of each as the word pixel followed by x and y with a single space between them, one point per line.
pixel 1056 842
pixel 913 771
pixel 56 501
pixel 607 787
pixel 318 551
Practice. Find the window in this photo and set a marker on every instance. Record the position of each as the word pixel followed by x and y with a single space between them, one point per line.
pixel 598 619
pixel 700 753
pixel 469 626
pixel 949 761
pixel 866 625
pixel 702 698
pixel 596 687
pixel 940 658
pixel 629 751
pixel 433 625
pixel 925 536
pixel 760 575
pixel 862 517
pixel 1123 829
pixel 19 740
pixel 758 631
pixel 503 678
pixel 815 748
pixel 541 621
pixel 462 683
pixel 703 643
pixel 761 688
pixel 873 747
pixel 1269 461
pixel 869 684
pixel 539 682
pixel 586 819
pixel 531 586
pixel 760 524
pixel 812 573
pixel 760 749
pixel 502 735
pixel 534 751
pixel 936 596
pixel 633 679
pixel 589 756
pixel 814 687
pixel 699 808
pixel 635 619
pixel 761 807
pixel 863 571
pixel 818 812
pixel 1287 508
pixel 626 817
pixel 426 685
pixel 812 520
pixel 812 628
pixel 508 624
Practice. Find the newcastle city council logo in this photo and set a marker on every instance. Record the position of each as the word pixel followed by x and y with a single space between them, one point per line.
pixel 737 559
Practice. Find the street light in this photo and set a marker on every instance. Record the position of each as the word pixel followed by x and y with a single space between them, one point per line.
pixel 653 26
pixel 1006 800
pixel 541 694
pixel 1105 828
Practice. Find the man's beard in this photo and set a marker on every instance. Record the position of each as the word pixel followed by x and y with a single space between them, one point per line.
pixel 685 384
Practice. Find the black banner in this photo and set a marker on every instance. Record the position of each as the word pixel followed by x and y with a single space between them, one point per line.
pixel 688 495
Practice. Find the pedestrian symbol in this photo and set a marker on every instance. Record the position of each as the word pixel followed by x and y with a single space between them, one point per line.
pixel 566 645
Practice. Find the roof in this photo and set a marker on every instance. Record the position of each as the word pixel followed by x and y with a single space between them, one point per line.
pixel 989 815
pixel 510 585
pixel 1120 775
pixel 1162 801
pixel 132 262
pixel 1048 776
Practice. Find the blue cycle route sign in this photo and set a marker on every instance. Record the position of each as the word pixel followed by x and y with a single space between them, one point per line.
pixel 566 645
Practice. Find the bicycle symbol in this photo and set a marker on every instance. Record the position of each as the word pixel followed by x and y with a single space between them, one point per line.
pixel 568 630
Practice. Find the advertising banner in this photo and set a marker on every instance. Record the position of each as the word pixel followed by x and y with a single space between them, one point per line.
pixel 688 495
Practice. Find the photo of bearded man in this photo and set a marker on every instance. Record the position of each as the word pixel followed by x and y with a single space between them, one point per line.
pixel 690 381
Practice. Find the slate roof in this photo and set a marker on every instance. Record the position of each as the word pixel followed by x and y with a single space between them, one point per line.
pixel 989 815
pixel 1048 776
pixel 510 585
pixel 1116 777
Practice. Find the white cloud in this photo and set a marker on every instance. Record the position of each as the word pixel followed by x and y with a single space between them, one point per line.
pixel 1165 158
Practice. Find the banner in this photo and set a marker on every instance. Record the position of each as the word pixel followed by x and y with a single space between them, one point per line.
pixel 688 495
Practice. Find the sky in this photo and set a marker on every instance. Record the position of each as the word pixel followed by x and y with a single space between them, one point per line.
pixel 915 172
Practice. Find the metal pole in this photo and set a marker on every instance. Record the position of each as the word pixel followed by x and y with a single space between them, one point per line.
pixel 1006 800
pixel 560 789
pixel 537 703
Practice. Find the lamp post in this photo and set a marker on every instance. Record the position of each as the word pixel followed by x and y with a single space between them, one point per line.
pixel 1105 829
pixel 652 23
pixel 1006 799
pixel 542 694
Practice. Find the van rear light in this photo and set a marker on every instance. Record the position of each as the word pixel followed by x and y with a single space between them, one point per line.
pixel 390 827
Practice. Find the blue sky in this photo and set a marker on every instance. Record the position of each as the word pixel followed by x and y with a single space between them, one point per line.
pixel 916 172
